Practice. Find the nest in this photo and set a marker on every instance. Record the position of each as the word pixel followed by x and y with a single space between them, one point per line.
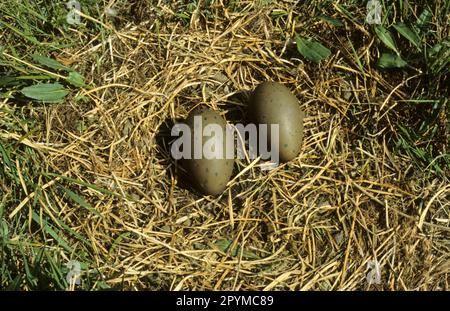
pixel 315 223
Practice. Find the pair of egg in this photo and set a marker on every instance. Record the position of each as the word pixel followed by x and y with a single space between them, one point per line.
pixel 270 103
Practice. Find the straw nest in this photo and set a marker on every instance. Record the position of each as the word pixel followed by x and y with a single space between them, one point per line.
pixel 313 223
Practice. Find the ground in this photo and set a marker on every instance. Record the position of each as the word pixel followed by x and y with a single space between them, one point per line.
pixel 88 176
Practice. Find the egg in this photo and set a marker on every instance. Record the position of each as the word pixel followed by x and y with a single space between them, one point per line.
pixel 273 103
pixel 209 175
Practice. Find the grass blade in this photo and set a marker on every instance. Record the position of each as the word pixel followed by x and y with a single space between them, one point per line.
pixel 85 184
pixel 80 201
pixel 439 57
pixel 423 20
pixel 7 81
pixel 47 228
pixel 331 20
pixel 27 36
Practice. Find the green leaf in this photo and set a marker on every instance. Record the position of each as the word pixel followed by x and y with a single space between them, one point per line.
pixel 46 92
pixel 409 34
pixel 224 245
pixel 278 13
pixel 49 62
pixel 388 60
pixel 439 57
pixel 76 79
pixel 24 34
pixel 423 20
pixel 386 37
pixel 101 285
pixel 7 80
pixel 183 16
pixel 80 201
pixel 434 51
pixel 344 11
pixel 249 255
pixel 85 184
pixel 312 50
pixel 331 20
pixel 117 241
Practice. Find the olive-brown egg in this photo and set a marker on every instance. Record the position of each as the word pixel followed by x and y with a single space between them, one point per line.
pixel 209 175
pixel 273 103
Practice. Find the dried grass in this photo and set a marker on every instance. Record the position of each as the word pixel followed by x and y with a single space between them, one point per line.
pixel 314 223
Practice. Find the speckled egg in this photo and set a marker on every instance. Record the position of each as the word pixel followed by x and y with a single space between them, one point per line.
pixel 210 176
pixel 273 103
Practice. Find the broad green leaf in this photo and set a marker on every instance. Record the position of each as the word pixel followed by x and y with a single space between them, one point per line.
pixel 278 13
pixel 224 245
pixel 76 79
pixel 312 50
pixel 81 98
pixel 80 201
pixel 333 21
pixel 49 62
pixel 409 34
pixel 249 255
pixel 101 285
pixel 388 60
pixel 386 37
pixel 46 92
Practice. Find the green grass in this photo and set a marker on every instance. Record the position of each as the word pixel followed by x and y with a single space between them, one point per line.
pixel 34 245
pixel 424 43
pixel 32 241
pixel 418 34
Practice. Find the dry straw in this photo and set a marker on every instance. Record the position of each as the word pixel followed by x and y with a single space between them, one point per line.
pixel 313 223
